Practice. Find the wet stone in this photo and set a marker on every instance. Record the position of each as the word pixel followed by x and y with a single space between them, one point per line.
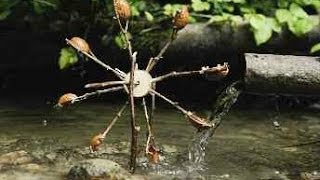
pixel 97 168
pixel 16 158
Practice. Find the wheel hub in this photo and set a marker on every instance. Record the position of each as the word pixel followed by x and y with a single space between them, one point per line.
pixel 142 83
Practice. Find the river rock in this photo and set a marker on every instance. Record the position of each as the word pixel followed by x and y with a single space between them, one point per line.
pixel 97 168
pixel 16 158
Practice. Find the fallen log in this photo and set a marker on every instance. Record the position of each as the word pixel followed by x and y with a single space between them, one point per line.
pixel 282 74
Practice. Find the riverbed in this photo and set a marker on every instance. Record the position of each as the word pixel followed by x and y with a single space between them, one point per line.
pixel 249 144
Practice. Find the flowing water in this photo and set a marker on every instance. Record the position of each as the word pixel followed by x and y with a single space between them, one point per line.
pixel 245 146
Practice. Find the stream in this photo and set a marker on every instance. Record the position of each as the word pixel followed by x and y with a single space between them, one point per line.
pixel 246 145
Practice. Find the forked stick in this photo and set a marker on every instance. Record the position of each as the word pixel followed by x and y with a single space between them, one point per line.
pixel 218 70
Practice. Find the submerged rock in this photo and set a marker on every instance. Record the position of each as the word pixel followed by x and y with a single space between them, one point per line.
pixel 16 158
pixel 97 168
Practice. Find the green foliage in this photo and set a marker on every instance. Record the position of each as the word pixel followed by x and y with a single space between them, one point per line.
pixel 120 40
pixel 315 48
pixel 68 57
pixel 264 17
pixel 198 5
pixel 5 8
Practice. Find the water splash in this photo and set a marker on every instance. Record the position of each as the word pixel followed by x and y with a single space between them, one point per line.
pixel 197 148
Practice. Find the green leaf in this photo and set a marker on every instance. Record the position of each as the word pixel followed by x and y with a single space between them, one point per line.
pixel 274 24
pixel 120 40
pixel 245 9
pixel 148 16
pixel 239 1
pixel 283 15
pixel 68 57
pixel 4 14
pixel 191 19
pixel 283 3
pixel 316 4
pixel 135 11
pixel 262 35
pixel 171 9
pixel 300 26
pixel 257 21
pixel 217 19
pixel 297 11
pixel 198 5
pixel 303 2
pixel 41 6
pixel 315 48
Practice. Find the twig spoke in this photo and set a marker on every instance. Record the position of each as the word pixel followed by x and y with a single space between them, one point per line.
pixel 96 93
pixel 114 120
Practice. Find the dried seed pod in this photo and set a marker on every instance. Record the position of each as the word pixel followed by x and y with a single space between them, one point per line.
pixel 122 9
pixel 153 154
pixel 80 44
pixel 198 122
pixel 181 18
pixel 66 99
pixel 95 142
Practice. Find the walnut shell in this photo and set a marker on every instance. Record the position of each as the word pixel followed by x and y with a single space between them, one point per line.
pixel 122 9
pixel 80 44
pixel 66 99
pixel 181 18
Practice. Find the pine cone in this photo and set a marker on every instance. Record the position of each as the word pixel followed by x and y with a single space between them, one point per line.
pixel 181 18
pixel 122 9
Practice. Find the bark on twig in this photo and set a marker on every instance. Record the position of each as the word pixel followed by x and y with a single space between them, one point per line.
pixel 218 70
pixel 95 59
pixel 195 120
pixel 114 120
pixel 104 84
pixel 134 128
pixel 150 138
pixel 154 60
pixel 97 92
